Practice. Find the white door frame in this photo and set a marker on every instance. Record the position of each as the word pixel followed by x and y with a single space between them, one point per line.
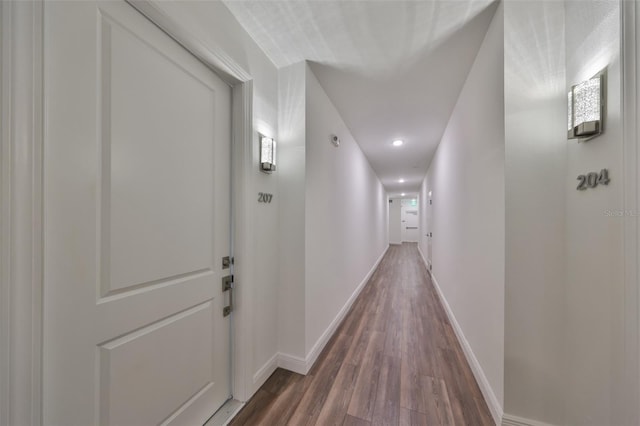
pixel 21 212
pixel 21 207
pixel 628 396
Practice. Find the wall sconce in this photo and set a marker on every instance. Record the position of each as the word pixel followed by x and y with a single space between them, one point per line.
pixel 586 102
pixel 267 154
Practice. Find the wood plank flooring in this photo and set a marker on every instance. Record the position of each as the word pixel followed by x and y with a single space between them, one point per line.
pixel 394 360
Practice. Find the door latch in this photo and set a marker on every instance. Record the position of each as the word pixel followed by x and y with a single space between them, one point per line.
pixel 227 284
pixel 227 261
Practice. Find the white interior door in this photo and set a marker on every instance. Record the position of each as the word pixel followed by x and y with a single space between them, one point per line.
pixel 137 154
pixel 410 231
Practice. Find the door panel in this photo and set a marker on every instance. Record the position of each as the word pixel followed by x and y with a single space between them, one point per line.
pixel 135 76
pixel 410 231
pixel 130 367
pixel 137 153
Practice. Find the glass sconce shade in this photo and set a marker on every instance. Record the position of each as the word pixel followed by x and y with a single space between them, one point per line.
pixel 267 154
pixel 586 108
pixel 570 111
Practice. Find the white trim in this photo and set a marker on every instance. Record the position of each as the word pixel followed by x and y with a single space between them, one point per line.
pixel 242 317
pixel 511 420
pixel 242 157
pixel 303 366
pixel 21 223
pixel 492 401
pixel 626 396
pixel 5 209
pixel 424 259
pixel 293 363
pixel 212 56
pixel 317 348
pixel 485 387
pixel 226 413
pixel 265 371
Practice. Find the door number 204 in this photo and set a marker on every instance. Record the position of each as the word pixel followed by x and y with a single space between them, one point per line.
pixel 593 179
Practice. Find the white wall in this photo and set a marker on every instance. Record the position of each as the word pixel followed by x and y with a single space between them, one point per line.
pixel 212 24
pixel 346 215
pixel 467 180
pixel 535 152
pixel 594 241
pixel 291 170
pixel 395 227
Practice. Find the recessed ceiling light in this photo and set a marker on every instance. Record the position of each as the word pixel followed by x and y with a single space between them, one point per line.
pixel 397 142
pixel 403 194
pixel 401 180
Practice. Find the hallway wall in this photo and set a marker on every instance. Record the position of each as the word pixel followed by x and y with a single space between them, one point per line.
pixel 346 215
pixel 595 240
pixel 466 178
pixel 333 218
pixel 535 361
pixel 292 190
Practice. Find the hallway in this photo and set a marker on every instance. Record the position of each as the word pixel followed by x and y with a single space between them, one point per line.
pixel 394 360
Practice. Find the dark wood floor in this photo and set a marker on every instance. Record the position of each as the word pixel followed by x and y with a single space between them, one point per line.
pixel 394 360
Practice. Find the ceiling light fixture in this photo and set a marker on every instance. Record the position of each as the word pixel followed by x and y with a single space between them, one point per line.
pixel 401 180
pixel 397 142
pixel 403 194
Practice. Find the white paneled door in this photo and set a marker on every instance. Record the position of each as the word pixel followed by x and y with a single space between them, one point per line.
pixel 409 214
pixel 137 157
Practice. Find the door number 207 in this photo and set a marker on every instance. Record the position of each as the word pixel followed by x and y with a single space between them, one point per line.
pixel 264 197
pixel 593 179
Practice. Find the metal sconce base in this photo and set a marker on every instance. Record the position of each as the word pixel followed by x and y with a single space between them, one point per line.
pixel 267 167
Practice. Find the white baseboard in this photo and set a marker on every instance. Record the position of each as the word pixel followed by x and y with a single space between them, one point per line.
pixel 424 259
pixel 315 351
pixel 265 371
pixel 487 391
pixel 302 366
pixel 511 420
pixel 292 363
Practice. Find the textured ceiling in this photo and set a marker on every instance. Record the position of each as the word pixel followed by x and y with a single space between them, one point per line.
pixel 393 69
